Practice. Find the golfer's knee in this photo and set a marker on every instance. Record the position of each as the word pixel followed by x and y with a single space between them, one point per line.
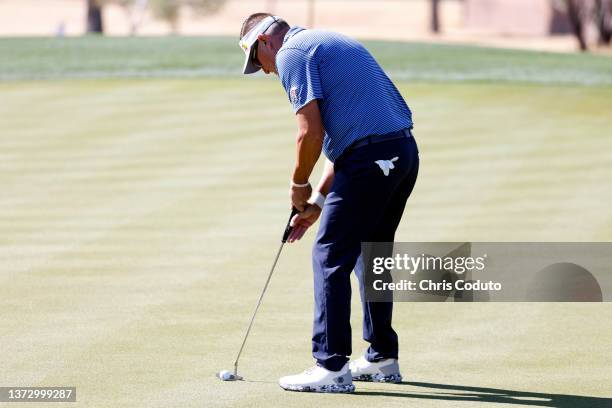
pixel 331 260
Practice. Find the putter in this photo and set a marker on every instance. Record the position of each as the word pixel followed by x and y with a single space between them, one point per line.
pixel 227 375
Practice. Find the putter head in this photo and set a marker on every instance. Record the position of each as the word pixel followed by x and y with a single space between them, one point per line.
pixel 226 375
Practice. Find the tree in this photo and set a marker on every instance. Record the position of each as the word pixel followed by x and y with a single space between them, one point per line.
pixel 133 8
pixel 435 16
pixel 603 20
pixel 94 23
pixel 169 10
pixel 136 13
pixel 596 14
pixel 576 10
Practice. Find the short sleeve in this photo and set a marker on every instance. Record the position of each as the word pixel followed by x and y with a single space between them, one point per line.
pixel 299 74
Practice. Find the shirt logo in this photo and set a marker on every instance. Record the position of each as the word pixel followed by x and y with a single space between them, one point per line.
pixel 293 94
pixel 386 165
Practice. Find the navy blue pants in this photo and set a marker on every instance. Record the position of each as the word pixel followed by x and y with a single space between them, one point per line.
pixel 363 205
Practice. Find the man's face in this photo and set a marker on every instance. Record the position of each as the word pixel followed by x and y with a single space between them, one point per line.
pixel 264 55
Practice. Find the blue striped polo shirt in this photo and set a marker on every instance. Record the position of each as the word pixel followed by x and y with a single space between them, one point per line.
pixel 356 98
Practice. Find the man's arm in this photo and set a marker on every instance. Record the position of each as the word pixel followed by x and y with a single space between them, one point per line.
pixel 327 178
pixel 309 144
pixel 305 219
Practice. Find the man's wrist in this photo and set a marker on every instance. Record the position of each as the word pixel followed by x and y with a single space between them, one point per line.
pixel 300 176
pixel 317 199
pixel 299 185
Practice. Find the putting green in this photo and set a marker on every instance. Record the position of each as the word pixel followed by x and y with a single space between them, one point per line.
pixel 139 218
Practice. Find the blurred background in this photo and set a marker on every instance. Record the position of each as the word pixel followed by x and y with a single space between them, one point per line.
pixel 561 25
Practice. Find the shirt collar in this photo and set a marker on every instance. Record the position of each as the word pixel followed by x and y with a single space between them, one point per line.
pixel 292 31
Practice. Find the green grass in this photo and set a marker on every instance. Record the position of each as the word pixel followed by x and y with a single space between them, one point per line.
pixel 180 57
pixel 138 219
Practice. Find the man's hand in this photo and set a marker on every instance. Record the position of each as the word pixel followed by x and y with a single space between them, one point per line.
pixel 302 221
pixel 299 196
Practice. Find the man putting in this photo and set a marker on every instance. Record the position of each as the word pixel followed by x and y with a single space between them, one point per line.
pixel 346 106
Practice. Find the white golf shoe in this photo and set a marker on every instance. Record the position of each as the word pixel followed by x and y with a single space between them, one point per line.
pixel 380 371
pixel 319 379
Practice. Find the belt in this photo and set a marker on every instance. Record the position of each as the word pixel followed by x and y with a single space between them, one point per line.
pixel 368 140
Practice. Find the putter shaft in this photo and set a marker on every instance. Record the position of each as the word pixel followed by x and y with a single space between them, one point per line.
pixel 286 234
pixel 246 335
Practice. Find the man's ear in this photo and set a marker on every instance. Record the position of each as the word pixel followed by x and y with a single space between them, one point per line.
pixel 263 38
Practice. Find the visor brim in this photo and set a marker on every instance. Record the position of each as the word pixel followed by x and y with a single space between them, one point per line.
pixel 249 67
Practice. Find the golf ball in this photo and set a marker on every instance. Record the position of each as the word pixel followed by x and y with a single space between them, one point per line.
pixel 225 375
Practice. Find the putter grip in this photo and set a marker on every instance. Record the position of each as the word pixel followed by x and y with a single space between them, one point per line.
pixel 289 228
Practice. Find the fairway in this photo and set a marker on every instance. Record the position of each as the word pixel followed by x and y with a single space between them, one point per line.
pixel 139 215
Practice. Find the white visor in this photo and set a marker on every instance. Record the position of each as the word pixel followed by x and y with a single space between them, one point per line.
pixel 250 38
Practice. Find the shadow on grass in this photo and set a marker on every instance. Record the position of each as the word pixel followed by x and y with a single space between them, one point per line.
pixel 494 395
pixel 259 381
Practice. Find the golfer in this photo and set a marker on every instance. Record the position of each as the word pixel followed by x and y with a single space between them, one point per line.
pixel 347 107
